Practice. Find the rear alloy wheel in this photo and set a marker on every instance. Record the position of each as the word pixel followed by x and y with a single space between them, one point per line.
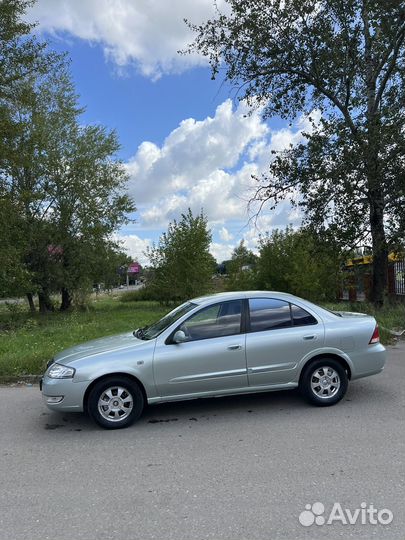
pixel 115 402
pixel 324 382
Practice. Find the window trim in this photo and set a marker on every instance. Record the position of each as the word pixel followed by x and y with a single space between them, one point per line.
pixel 245 326
pixel 169 339
pixel 290 304
pixel 306 311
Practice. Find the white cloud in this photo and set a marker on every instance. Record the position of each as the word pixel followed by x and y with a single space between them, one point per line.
pixel 225 235
pixel 135 247
pixel 208 164
pixel 279 218
pixel 201 165
pixel 221 252
pixel 147 33
pixel 194 151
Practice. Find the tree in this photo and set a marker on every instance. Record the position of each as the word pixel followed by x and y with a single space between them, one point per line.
pixel 112 262
pixel 48 175
pixel 87 203
pixel 22 57
pixel 345 59
pixel 181 261
pixel 21 53
pixel 297 262
pixel 14 275
pixel 241 269
pixel 61 181
pixel 45 113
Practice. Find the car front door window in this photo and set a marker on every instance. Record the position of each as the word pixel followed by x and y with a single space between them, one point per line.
pixel 223 319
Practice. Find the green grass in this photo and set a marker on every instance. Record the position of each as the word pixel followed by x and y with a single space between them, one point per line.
pixel 27 342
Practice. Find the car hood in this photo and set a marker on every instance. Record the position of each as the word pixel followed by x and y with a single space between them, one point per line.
pixel 99 346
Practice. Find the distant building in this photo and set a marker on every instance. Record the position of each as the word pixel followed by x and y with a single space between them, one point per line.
pixel 357 278
pixel 133 273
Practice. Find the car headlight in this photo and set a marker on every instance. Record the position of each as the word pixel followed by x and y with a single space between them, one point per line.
pixel 58 371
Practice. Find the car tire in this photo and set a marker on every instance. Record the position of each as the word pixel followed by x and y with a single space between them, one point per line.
pixel 115 402
pixel 323 382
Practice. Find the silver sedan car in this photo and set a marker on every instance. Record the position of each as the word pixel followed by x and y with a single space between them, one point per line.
pixel 224 344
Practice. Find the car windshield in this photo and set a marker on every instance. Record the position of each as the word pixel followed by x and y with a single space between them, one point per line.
pixel 153 330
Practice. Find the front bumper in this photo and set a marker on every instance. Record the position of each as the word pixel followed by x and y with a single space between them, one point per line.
pixel 71 392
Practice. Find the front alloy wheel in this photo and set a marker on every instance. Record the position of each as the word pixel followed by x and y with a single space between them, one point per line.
pixel 324 382
pixel 115 402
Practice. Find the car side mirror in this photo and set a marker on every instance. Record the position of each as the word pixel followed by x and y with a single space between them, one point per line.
pixel 179 337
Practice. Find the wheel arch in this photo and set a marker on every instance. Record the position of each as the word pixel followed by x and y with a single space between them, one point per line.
pixel 333 356
pixel 108 376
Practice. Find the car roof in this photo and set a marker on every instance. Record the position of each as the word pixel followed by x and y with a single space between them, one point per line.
pixel 287 297
pixel 235 295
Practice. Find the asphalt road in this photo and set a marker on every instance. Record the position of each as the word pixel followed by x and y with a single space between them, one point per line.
pixel 233 468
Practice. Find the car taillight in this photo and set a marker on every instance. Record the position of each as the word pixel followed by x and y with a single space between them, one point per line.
pixel 375 338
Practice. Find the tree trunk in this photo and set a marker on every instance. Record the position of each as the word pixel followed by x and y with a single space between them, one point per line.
pixel 380 251
pixel 377 207
pixel 373 169
pixel 45 304
pixel 31 302
pixel 66 300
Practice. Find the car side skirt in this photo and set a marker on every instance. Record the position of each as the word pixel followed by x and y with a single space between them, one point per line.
pixel 221 393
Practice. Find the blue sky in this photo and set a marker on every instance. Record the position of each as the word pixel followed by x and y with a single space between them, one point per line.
pixel 138 107
pixel 186 140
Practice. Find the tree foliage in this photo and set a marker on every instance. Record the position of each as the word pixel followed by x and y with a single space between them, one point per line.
pixel 347 60
pixel 241 269
pixel 62 187
pixel 14 276
pixel 22 58
pixel 181 262
pixel 298 263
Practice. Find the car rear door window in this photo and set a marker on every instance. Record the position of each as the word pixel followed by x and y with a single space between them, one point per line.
pixel 223 319
pixel 269 314
pixel 301 317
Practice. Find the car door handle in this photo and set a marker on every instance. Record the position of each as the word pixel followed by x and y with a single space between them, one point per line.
pixel 234 347
pixel 309 337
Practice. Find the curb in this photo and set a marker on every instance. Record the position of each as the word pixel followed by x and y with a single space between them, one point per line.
pixel 20 379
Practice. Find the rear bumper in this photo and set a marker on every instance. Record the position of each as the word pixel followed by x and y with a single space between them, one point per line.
pixel 369 362
pixel 70 392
